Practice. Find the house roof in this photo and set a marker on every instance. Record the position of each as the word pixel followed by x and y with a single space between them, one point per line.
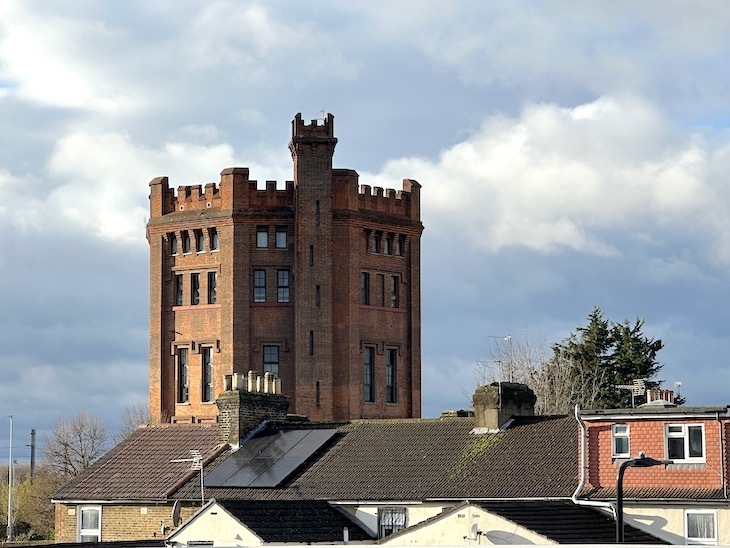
pixel 654 410
pixel 140 467
pixel 422 459
pixel 295 521
pixel 566 523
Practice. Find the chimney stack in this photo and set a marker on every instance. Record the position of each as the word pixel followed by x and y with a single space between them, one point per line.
pixel 496 403
pixel 248 401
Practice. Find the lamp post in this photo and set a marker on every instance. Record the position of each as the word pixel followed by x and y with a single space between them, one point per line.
pixel 10 483
pixel 642 461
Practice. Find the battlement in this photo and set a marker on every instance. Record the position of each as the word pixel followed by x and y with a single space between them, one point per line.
pixel 315 129
pixel 350 194
pixel 235 191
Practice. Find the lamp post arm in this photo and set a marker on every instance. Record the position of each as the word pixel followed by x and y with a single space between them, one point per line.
pixel 620 500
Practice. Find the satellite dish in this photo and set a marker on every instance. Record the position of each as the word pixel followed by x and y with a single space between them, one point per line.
pixel 474 531
pixel 176 513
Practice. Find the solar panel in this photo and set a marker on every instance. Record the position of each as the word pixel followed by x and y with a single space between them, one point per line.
pixel 269 459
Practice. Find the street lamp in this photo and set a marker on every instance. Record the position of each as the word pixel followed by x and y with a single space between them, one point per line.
pixel 10 483
pixel 642 461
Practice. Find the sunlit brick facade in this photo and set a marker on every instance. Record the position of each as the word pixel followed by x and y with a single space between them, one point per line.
pixel 316 280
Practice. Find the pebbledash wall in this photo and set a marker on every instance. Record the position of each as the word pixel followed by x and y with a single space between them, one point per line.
pixel 316 281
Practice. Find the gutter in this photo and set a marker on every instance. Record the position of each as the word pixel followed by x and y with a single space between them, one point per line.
pixel 584 469
pixel 723 461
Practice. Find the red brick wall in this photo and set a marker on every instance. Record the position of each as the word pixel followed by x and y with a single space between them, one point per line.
pixel 648 435
pixel 239 328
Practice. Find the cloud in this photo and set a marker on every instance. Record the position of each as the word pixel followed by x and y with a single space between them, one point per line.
pixel 578 178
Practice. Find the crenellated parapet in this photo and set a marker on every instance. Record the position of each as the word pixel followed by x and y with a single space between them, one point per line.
pixel 350 195
pixel 234 192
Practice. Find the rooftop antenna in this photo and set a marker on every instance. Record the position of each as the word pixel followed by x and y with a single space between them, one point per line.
pixel 510 365
pixel 322 111
pixel 678 386
pixel 196 463
pixel 637 387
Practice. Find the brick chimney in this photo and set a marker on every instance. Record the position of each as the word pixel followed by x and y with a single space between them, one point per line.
pixel 496 403
pixel 246 403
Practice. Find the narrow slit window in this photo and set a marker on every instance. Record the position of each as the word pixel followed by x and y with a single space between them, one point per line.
pixel 317 296
pixel 178 289
pixel 364 288
pixel 194 288
pixel 182 375
pixel 391 391
pixel 317 214
pixel 311 255
pixel 394 285
pixel 212 289
pixel 199 241
pixel 185 241
pixel 173 244
pixel 368 384
pixel 311 343
pixel 207 355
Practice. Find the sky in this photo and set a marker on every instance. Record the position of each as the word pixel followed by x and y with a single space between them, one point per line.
pixel 572 154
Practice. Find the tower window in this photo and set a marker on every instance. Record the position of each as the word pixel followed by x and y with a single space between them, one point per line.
pixel 173 244
pixel 311 343
pixel 394 284
pixel 399 243
pixel 199 241
pixel 262 237
pixel 282 283
pixel 391 394
pixel 194 288
pixel 259 286
pixel 375 242
pixel 311 255
pixel 388 244
pixel 368 387
pixel 207 355
pixel 186 241
pixel 271 359
pixel 380 289
pixel 182 375
pixel 316 391
pixel 212 290
pixel 317 215
pixel 281 237
pixel 178 289
pixel 213 235
pixel 317 296
pixel 364 288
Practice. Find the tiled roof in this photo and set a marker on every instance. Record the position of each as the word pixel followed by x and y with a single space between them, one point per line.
pixel 140 467
pixel 567 523
pixel 654 493
pixel 537 457
pixel 295 521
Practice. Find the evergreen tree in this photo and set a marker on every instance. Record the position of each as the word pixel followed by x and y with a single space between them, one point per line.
pixel 610 354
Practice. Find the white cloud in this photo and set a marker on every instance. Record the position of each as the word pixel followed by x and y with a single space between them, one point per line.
pixel 573 178
pixel 105 176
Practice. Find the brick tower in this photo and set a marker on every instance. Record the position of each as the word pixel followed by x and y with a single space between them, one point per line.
pixel 317 282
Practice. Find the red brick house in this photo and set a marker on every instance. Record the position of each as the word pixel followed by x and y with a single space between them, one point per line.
pixel 683 502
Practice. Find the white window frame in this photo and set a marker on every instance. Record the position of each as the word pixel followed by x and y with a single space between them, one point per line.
pixel 87 532
pixel 684 434
pixel 616 433
pixel 700 540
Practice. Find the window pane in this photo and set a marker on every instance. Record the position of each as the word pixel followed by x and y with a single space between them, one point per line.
pixel 675 448
pixel 621 446
pixel 262 237
pixel 271 359
pixel 281 238
pixel 199 241
pixel 212 292
pixel 701 526
pixel 173 244
pixel 259 286
pixel 186 241
pixel 207 373
pixel 695 441
pixel 90 518
pixel 194 288
pixel 182 375
pixel 213 238
pixel 368 386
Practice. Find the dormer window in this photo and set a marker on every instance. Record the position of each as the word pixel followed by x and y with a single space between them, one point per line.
pixel 685 442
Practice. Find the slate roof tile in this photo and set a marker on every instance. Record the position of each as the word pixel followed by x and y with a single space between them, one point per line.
pixel 295 521
pixel 140 467
pixel 567 523
pixel 537 457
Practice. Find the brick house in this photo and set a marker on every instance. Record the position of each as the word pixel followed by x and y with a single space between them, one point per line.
pixel 386 476
pixel 316 281
pixel 682 502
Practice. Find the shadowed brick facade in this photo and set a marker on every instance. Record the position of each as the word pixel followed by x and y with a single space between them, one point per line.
pixel 317 281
